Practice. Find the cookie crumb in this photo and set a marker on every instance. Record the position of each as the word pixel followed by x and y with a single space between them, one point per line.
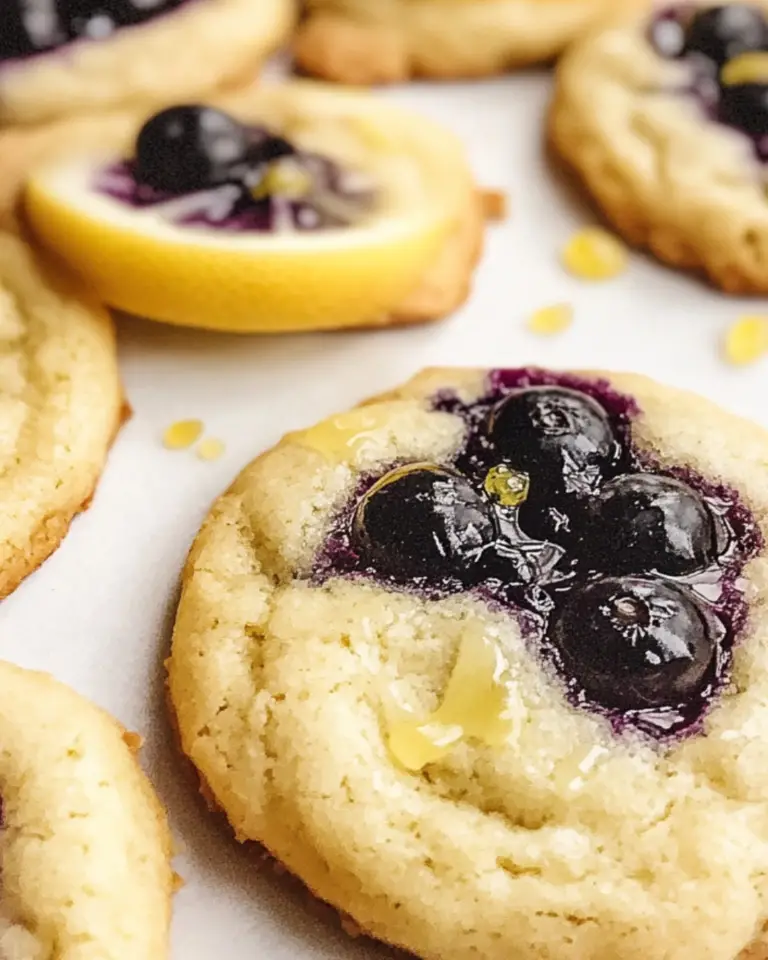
pixel 134 741
pixel 746 340
pixel 495 205
pixel 595 254
pixel 210 449
pixel 551 320
pixel 182 434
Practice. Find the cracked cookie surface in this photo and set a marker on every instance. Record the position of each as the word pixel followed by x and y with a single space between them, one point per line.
pixel 84 845
pixel 562 838
pixel 155 62
pixel 61 405
pixel 628 123
pixel 388 41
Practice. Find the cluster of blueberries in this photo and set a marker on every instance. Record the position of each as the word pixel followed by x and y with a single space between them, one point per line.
pixel 616 548
pixel 710 39
pixel 35 26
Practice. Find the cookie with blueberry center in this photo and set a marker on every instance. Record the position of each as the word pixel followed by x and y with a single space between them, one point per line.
pixel 61 57
pixel 483 662
pixel 389 41
pixel 298 206
pixel 84 844
pixel 665 120
pixel 61 404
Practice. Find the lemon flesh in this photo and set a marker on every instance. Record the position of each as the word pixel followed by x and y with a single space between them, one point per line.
pixel 141 263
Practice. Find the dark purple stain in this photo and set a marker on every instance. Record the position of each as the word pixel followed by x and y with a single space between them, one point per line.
pixel 335 199
pixel 718 588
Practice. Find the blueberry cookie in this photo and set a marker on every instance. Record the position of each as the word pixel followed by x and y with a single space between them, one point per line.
pixel 84 845
pixel 59 57
pixel 387 41
pixel 665 120
pixel 483 662
pixel 298 206
pixel 61 404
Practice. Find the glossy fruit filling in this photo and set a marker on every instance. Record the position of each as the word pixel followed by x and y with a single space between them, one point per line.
pixel 726 47
pixel 31 27
pixel 624 573
pixel 198 166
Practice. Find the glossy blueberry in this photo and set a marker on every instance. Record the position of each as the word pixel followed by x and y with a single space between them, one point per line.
pixel 267 148
pixel 643 522
pixel 562 438
pixel 723 32
pixel 745 105
pixel 183 149
pixel 32 27
pixel 632 643
pixel 423 521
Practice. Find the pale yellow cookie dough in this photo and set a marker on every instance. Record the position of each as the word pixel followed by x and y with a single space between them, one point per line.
pixel 178 56
pixel 689 189
pixel 61 404
pixel 387 41
pixel 84 844
pixel 566 843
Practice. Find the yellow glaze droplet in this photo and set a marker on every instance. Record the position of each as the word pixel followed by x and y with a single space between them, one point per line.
pixel 746 340
pixel 474 705
pixel 210 449
pixel 182 434
pixel 283 178
pixel 595 254
pixel 344 436
pixel 506 486
pixel 746 68
pixel 551 320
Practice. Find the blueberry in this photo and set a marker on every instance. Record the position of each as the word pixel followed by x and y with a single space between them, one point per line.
pixel 30 27
pixel 561 438
pixel 642 522
pixel 423 521
pixel 723 32
pixel 745 105
pixel 269 147
pixel 633 643
pixel 184 149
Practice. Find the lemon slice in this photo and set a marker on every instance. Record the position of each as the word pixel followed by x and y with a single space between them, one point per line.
pixel 139 261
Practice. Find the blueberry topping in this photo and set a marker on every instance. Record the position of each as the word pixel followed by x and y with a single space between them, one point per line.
pixel 34 26
pixel 562 438
pixel 420 521
pixel 745 105
pixel 722 33
pixel 267 148
pixel 633 643
pixel 643 522
pixel 184 149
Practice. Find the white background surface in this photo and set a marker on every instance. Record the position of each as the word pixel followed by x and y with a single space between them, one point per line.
pixel 98 614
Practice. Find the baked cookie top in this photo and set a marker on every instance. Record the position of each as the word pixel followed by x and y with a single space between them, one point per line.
pixel 375 41
pixel 483 662
pixel 281 207
pixel 74 58
pixel 84 845
pixel 61 404
pixel 665 118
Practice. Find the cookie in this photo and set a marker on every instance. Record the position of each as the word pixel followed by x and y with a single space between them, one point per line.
pixel 666 130
pixel 61 404
pixel 84 844
pixel 85 59
pixel 333 209
pixel 388 41
pixel 483 662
